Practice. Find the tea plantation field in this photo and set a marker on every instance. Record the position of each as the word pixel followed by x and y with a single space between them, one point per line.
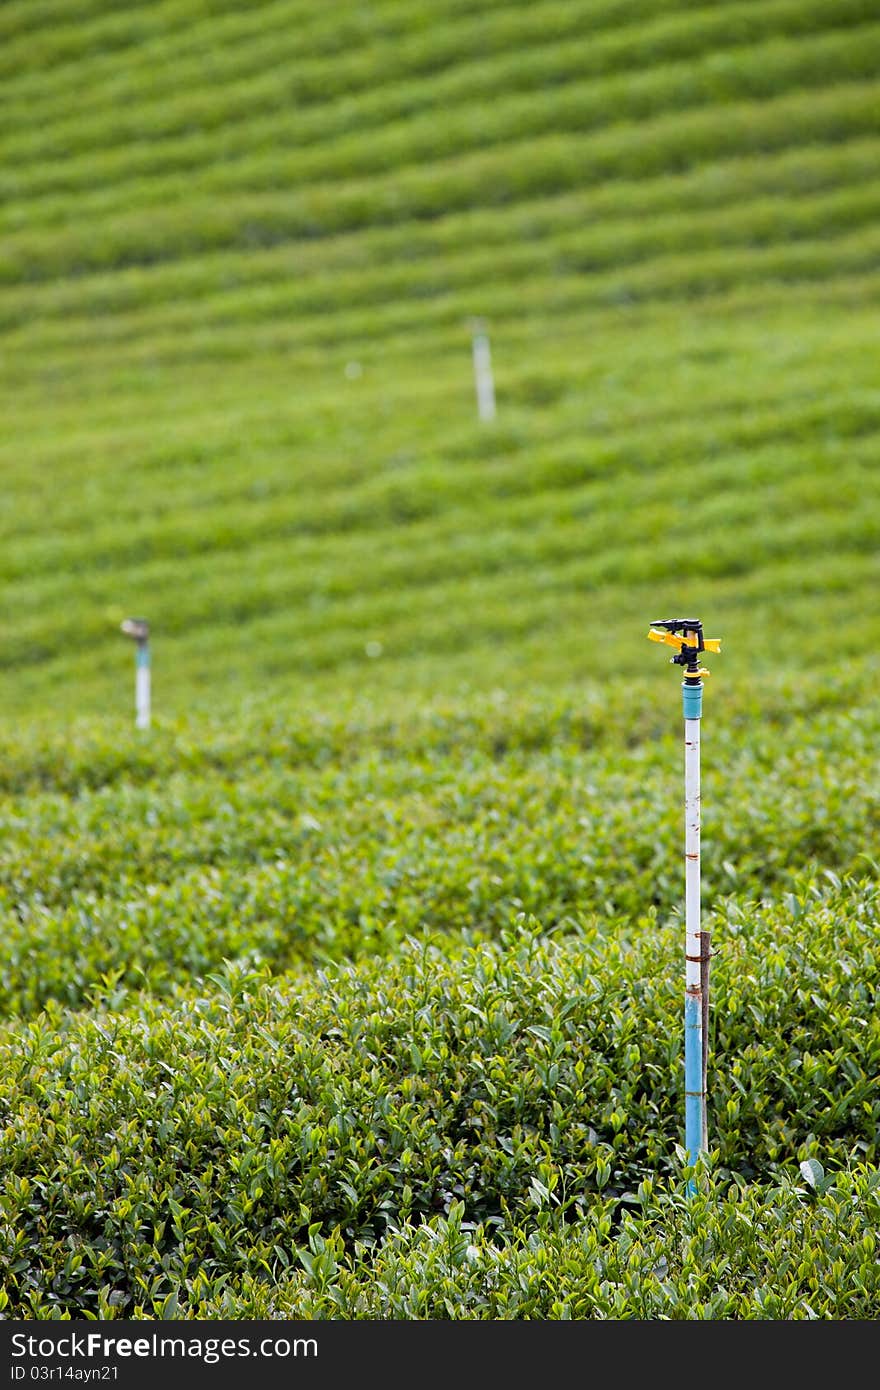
pixel 352 988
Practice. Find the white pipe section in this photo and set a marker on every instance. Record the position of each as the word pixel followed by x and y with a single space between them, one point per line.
pixel 692 848
pixel 483 377
pixel 142 695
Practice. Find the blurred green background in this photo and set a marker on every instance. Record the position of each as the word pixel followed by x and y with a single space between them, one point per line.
pixel 240 253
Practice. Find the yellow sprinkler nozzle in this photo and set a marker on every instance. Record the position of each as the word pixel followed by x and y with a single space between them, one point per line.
pixel 670 638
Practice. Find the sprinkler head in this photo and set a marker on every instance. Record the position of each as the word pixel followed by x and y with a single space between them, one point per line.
pixel 690 643
pixel 137 628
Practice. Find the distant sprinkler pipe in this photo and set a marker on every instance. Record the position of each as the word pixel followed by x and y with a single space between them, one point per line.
pixel 686 635
pixel 483 380
pixel 139 630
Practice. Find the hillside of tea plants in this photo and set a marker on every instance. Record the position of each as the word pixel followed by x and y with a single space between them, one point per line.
pixel 352 987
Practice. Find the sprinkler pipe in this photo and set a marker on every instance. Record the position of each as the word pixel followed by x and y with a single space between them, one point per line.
pixel 139 630
pixel 483 379
pixel 686 635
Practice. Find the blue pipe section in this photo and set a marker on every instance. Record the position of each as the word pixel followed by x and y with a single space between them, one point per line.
pixel 693 1079
pixel 692 696
pixel 143 654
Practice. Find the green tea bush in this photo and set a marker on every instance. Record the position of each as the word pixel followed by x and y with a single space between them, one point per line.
pixel 327 842
pixel 487 118
pixel 792 172
pixel 209 1138
pixel 260 67
pixel 800 1248
pixel 546 164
